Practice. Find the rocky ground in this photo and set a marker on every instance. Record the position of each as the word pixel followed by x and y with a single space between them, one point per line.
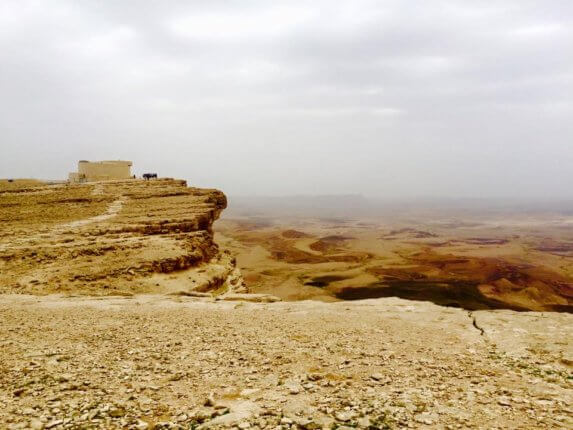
pixel 82 348
pixel 150 361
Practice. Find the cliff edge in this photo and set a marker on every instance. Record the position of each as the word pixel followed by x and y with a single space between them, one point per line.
pixel 117 237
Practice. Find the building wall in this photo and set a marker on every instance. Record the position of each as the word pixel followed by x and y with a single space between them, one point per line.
pixel 75 177
pixel 101 171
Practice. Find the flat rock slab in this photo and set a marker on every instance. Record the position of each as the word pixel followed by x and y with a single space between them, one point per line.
pixel 255 298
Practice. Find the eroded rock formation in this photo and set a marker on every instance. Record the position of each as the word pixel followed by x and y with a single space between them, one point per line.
pixel 113 237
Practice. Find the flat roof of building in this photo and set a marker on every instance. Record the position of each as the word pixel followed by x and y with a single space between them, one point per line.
pixel 108 162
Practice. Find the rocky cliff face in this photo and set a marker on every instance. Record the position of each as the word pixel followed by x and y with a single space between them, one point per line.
pixel 113 237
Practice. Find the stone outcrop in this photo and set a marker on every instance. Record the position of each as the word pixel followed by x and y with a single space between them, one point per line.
pixel 113 237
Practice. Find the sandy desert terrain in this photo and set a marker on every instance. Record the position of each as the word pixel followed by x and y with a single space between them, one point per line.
pixel 518 261
pixel 127 305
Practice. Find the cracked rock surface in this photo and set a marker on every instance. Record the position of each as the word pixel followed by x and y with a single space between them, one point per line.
pixel 182 362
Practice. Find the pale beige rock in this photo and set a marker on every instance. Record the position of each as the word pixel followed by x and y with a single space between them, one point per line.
pixel 256 298
pixel 158 358
pixel 123 237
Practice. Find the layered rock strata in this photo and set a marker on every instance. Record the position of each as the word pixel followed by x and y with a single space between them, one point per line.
pixel 113 237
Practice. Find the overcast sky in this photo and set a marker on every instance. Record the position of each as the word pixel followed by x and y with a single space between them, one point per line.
pixel 384 98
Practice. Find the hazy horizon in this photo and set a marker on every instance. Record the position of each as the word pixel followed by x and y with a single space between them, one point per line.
pixel 356 206
pixel 387 99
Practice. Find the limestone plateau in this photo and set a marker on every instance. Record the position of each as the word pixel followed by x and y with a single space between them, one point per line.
pixel 117 237
pixel 82 346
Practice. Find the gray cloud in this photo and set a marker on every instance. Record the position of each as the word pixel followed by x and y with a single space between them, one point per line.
pixel 386 98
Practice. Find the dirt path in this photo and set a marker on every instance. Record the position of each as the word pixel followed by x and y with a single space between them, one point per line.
pixel 112 210
pixel 22 242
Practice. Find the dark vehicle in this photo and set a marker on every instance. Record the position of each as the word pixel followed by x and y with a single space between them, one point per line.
pixel 148 176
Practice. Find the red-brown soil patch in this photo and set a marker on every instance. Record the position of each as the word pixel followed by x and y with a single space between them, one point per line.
pixel 350 257
pixel 283 250
pixel 324 247
pixel 336 238
pixel 484 241
pixel 397 274
pixel 500 283
pixel 329 244
pixel 409 233
pixel 294 234
pixel 555 247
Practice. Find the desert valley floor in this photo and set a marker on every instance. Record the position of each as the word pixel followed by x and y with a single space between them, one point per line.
pixel 467 260
pixel 127 305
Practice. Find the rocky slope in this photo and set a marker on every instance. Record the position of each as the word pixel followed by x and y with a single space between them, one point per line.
pixel 112 237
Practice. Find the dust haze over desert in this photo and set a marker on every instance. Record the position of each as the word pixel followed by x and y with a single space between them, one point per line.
pixel 286 215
